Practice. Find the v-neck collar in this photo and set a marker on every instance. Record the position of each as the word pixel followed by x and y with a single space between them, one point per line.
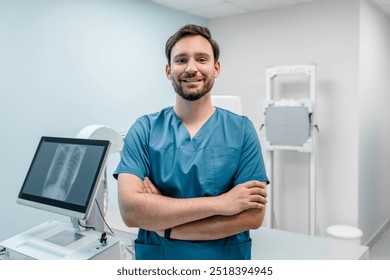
pixel 200 130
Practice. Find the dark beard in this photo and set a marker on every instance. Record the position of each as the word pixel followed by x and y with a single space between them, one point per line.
pixel 192 96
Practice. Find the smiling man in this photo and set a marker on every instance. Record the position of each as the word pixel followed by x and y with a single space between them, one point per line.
pixel 192 69
pixel 191 176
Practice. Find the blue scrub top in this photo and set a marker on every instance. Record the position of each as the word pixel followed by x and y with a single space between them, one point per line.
pixel 224 153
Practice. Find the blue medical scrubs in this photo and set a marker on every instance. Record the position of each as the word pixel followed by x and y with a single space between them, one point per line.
pixel 224 153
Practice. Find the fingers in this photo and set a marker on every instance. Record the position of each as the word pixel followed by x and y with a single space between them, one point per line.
pixel 256 193
pixel 259 206
pixel 146 186
pixel 258 199
pixel 254 188
pixel 260 196
pixel 149 187
pixel 255 205
pixel 254 184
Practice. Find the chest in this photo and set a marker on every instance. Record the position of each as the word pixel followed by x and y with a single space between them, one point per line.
pixel 185 173
pixel 193 161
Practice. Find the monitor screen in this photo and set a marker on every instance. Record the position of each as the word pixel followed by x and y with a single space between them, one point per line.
pixel 64 175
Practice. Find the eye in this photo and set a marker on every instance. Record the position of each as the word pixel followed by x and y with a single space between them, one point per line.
pixel 181 60
pixel 202 60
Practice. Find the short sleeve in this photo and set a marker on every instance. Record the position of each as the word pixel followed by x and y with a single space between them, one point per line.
pixel 135 155
pixel 251 164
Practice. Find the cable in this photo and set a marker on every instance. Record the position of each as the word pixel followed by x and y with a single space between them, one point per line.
pixel 128 248
pixel 85 226
pixel 101 214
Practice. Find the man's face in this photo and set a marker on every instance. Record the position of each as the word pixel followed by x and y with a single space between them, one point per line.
pixel 192 69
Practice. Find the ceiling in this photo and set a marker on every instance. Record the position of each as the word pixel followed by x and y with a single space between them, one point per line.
pixel 212 9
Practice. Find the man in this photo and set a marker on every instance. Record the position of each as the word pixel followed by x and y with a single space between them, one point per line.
pixel 192 176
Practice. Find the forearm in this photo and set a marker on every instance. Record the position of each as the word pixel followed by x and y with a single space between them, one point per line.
pixel 156 212
pixel 142 205
pixel 217 227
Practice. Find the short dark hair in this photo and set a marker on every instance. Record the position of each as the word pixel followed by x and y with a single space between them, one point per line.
pixel 191 30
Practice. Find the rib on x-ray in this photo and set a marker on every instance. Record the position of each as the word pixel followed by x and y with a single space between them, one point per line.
pixel 63 171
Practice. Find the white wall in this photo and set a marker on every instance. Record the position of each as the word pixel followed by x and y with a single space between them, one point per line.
pixel 68 64
pixel 325 33
pixel 374 129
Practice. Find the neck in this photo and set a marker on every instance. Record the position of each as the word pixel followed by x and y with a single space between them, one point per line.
pixel 193 112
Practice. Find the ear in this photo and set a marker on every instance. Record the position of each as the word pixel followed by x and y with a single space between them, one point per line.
pixel 168 71
pixel 217 69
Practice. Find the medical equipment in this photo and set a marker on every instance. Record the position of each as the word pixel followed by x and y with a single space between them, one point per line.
pixel 55 240
pixel 102 132
pixel 228 102
pixel 291 125
pixel 65 176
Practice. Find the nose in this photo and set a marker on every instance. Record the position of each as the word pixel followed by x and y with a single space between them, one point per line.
pixel 191 66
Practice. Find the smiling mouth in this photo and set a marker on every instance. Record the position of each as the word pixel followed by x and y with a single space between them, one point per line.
pixel 192 80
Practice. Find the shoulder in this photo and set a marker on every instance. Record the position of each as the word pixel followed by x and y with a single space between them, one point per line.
pixel 234 120
pixel 145 124
pixel 149 120
pixel 233 129
pixel 153 116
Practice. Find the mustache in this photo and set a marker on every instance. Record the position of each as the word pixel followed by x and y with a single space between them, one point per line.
pixel 190 75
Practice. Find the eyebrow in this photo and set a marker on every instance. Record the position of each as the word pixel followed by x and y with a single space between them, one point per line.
pixel 196 54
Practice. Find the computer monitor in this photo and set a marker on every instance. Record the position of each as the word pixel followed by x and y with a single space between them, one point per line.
pixel 64 175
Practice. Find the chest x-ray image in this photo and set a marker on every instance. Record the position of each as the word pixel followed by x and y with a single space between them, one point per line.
pixel 63 171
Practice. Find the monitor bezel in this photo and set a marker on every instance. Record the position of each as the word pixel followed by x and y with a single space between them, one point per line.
pixel 80 212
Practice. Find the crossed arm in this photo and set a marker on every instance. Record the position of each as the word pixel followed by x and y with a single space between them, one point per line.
pixel 203 218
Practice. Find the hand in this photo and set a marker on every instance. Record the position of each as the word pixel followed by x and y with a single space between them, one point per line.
pixel 149 187
pixel 248 195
